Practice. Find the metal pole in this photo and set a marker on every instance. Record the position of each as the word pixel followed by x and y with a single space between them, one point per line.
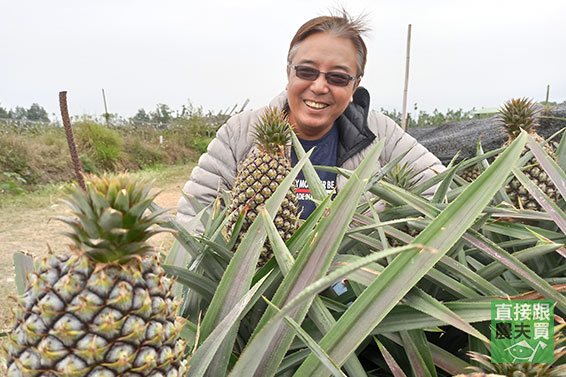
pixel 70 139
pixel 404 110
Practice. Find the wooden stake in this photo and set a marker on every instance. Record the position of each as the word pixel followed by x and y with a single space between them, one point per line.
pixel 404 110
pixel 106 115
pixel 71 139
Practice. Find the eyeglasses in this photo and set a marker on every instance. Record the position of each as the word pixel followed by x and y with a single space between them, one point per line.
pixel 310 74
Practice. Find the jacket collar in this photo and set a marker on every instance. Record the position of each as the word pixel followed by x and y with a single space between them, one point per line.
pixel 353 128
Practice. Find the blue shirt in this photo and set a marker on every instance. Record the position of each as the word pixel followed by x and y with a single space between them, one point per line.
pixel 324 154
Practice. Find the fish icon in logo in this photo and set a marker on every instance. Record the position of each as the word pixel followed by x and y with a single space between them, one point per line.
pixel 524 351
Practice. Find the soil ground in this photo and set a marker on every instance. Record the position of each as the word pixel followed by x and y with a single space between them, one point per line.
pixel 35 230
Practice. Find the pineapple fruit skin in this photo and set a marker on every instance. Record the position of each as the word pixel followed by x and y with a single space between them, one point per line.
pixel 80 318
pixel 471 173
pixel 259 176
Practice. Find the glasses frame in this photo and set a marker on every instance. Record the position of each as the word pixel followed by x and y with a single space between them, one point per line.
pixel 350 78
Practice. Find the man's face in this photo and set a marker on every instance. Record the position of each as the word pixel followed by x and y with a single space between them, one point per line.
pixel 315 105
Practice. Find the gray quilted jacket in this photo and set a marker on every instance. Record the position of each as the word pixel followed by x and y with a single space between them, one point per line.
pixel 359 130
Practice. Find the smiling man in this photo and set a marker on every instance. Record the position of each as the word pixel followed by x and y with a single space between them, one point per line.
pixel 328 111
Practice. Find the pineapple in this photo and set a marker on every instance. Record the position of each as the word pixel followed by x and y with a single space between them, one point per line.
pixel 522 114
pixel 105 309
pixel 470 173
pixel 260 175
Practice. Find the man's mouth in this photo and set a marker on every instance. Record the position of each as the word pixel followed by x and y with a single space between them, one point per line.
pixel 315 105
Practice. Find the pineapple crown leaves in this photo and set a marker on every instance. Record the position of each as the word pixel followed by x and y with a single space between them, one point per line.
pixel 403 176
pixel 519 114
pixel 273 132
pixel 110 224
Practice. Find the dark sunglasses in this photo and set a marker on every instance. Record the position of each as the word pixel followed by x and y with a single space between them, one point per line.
pixel 310 74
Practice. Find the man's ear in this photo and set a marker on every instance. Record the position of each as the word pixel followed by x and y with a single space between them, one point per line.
pixel 357 83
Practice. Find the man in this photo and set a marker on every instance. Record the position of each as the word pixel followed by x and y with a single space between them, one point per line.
pixel 326 107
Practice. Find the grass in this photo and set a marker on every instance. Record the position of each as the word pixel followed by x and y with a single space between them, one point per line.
pixel 49 194
pixel 163 174
pixel 43 196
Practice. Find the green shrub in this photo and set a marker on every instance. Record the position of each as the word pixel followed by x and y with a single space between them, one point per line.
pixel 50 161
pixel 87 164
pixel 101 144
pixel 177 152
pixel 200 144
pixel 194 132
pixel 38 158
pixel 145 154
pixel 12 183
pixel 14 157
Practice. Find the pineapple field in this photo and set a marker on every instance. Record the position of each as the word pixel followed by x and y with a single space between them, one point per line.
pixel 349 291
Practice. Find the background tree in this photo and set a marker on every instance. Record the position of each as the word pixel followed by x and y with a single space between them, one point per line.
pixel 3 113
pixel 162 113
pixel 141 116
pixel 37 112
pixel 18 113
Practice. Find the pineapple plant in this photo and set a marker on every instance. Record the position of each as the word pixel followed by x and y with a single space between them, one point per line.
pixel 384 309
pixel 105 308
pixel 259 176
pixel 522 114
pixel 403 176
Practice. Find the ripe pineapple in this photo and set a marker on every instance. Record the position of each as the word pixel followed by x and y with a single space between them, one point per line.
pixel 260 175
pixel 522 114
pixel 105 309
pixel 470 173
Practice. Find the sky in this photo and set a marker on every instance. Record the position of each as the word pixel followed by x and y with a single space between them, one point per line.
pixel 215 54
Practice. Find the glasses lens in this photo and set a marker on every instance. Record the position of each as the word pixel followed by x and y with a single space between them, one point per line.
pixel 337 79
pixel 311 74
pixel 307 73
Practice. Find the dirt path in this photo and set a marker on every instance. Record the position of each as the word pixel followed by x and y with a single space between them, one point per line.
pixel 33 229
